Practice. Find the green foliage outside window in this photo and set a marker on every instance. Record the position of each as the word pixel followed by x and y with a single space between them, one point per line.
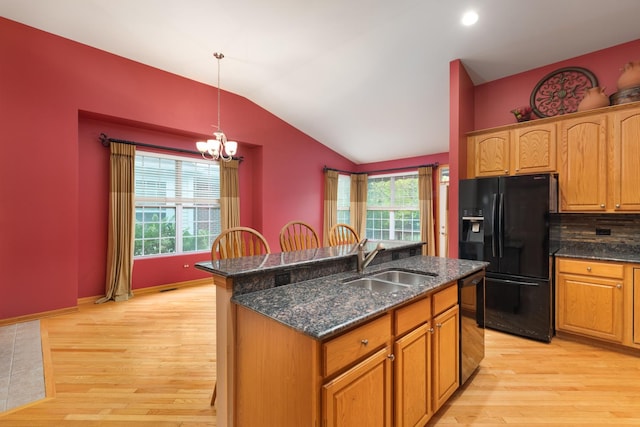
pixel 392 208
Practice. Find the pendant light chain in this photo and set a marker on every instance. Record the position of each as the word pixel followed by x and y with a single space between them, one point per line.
pixel 218 56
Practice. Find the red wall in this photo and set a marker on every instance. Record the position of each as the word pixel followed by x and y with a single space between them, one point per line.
pixel 461 116
pixel 495 100
pixel 56 96
pixel 441 158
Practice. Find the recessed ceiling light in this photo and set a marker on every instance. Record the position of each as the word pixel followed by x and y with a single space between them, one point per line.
pixel 469 18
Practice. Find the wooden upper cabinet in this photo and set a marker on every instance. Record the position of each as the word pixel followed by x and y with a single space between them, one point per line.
pixel 534 149
pixel 490 153
pixel 583 158
pixel 523 150
pixel 626 160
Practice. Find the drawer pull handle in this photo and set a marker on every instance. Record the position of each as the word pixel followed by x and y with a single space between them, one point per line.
pixel 617 205
pixel 439 325
pixel 391 357
pixel 602 205
pixel 431 330
pixel 588 268
pixel 364 342
pixel 619 286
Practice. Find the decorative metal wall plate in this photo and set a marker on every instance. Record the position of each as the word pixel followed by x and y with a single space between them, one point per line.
pixel 561 91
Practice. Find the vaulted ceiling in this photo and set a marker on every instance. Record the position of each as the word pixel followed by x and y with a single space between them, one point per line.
pixel 367 78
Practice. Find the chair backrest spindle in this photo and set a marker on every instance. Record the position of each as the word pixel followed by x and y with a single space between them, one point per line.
pixel 237 242
pixel 298 235
pixel 342 234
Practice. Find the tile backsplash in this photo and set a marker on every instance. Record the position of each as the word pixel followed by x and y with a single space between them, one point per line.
pixel 624 229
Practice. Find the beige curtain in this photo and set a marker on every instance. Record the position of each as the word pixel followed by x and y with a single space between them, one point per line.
pixel 121 224
pixel 358 205
pixel 427 226
pixel 229 194
pixel 330 202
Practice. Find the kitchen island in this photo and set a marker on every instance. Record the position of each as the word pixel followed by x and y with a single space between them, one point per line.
pixel 303 299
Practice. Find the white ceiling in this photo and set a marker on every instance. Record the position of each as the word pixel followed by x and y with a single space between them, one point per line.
pixel 367 78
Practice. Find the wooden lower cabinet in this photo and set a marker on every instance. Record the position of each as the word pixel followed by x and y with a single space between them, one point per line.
pixel 636 306
pixel 590 299
pixel 413 395
pixel 392 371
pixel 361 396
pixel 446 356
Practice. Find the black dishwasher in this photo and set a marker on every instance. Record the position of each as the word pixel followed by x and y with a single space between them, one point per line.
pixel 471 299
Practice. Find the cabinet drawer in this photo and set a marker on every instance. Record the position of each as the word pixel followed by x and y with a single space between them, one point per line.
pixel 590 268
pixel 445 299
pixel 346 349
pixel 412 315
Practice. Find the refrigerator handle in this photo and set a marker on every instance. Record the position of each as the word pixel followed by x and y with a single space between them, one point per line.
pixel 501 226
pixel 494 229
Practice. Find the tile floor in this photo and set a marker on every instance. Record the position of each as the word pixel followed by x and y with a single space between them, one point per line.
pixel 21 371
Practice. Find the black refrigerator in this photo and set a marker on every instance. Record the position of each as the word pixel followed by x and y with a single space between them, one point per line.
pixel 505 221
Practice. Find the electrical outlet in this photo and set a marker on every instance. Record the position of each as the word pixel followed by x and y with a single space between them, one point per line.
pixel 283 278
pixel 603 231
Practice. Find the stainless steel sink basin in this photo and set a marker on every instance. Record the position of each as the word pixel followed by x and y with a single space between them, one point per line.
pixel 377 285
pixel 402 277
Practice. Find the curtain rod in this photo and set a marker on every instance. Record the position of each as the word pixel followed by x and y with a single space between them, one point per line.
pixel 326 168
pixel 105 140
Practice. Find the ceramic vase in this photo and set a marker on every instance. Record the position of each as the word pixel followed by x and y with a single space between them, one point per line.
pixel 630 76
pixel 593 98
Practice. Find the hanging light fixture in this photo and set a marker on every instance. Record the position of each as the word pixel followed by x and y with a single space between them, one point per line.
pixel 218 148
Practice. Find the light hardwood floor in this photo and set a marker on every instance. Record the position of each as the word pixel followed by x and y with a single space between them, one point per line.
pixel 147 362
pixel 151 362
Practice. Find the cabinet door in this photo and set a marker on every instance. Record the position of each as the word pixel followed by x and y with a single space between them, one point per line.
pixel 413 378
pixel 583 178
pixel 626 160
pixel 491 154
pixel 446 356
pixel 534 149
pixel 361 396
pixel 636 305
pixel 590 306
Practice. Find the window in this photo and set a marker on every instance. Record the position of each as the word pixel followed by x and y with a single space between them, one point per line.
pixel 177 204
pixel 392 207
pixel 344 199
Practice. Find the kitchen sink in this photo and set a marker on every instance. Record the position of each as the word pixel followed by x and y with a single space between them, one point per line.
pixel 377 285
pixel 402 277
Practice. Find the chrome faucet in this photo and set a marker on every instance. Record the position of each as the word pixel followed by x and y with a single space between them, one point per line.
pixel 364 261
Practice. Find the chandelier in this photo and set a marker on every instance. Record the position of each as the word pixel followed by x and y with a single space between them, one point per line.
pixel 218 148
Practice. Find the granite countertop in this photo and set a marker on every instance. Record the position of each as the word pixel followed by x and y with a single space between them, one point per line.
pixel 323 307
pixel 599 251
pixel 236 267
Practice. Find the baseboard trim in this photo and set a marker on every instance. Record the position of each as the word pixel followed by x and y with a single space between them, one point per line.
pixel 37 316
pixel 155 289
pixel 92 300
pixel 620 348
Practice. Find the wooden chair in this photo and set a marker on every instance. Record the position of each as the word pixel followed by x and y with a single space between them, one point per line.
pixel 298 235
pixel 237 242
pixel 342 234
pixel 234 243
